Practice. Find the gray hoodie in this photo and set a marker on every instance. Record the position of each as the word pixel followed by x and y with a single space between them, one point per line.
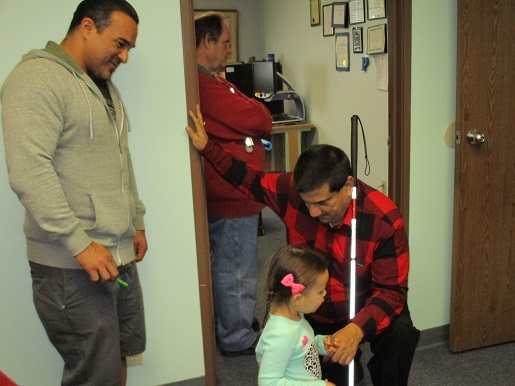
pixel 68 160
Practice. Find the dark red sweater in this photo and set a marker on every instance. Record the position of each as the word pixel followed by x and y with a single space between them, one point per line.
pixel 229 118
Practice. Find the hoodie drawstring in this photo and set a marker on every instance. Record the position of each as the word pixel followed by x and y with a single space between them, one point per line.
pixel 89 106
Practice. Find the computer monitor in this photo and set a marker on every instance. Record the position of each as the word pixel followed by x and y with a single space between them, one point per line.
pixel 265 78
pixel 240 75
pixel 255 80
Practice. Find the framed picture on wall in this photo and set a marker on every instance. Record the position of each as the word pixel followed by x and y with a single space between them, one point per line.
pixel 339 18
pixel 342 51
pixel 357 40
pixel 231 18
pixel 376 39
pixel 327 11
pixel 314 12
pixel 356 11
pixel 376 9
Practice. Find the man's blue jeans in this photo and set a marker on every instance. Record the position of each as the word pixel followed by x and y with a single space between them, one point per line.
pixel 234 274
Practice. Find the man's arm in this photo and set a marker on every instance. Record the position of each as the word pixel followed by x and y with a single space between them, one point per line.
pixel 390 266
pixel 235 115
pixel 32 127
pixel 139 223
pixel 241 175
pixel 270 189
pixel 98 262
pixel 140 240
pixel 389 256
pixel 140 245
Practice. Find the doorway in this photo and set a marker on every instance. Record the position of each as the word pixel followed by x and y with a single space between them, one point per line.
pixel 399 101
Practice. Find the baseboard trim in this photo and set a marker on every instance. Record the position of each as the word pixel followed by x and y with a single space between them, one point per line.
pixel 200 381
pixel 432 337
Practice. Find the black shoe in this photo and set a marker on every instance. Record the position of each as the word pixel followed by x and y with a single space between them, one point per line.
pixel 248 351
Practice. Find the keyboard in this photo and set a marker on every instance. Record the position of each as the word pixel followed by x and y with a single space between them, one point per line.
pixel 284 118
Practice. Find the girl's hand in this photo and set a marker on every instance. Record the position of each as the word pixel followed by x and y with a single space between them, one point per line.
pixel 199 137
pixel 327 383
pixel 331 344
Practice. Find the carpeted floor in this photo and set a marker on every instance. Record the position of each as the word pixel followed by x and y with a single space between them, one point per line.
pixel 435 366
pixel 432 365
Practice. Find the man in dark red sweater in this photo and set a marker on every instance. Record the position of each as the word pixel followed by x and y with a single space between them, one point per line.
pixel 237 123
pixel 314 204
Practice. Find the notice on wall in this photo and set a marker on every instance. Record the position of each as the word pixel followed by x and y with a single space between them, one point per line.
pixel 381 64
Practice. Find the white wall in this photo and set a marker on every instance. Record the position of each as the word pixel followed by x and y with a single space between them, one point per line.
pixel 331 97
pixel 433 108
pixel 152 84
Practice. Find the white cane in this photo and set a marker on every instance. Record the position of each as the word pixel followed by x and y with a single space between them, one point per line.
pixel 352 297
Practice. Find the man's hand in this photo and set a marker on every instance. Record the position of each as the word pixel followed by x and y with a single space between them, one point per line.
pixel 140 245
pixel 198 138
pixel 98 263
pixel 349 337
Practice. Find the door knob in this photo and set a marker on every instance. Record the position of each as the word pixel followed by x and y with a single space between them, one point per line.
pixel 475 138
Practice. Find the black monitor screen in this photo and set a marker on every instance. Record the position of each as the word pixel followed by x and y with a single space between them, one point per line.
pixel 241 76
pixel 264 77
pixel 253 78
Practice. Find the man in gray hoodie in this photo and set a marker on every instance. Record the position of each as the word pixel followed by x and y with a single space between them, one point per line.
pixel 66 144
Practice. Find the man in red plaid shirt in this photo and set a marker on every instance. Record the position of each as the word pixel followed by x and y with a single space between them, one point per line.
pixel 314 204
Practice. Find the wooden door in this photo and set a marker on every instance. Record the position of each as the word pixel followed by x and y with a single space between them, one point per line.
pixel 483 266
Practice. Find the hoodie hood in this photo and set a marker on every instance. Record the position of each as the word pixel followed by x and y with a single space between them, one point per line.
pixel 56 53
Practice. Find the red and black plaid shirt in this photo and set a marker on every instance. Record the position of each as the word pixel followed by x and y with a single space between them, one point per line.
pixel 382 255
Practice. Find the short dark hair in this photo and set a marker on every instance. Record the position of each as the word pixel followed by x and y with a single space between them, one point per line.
pixel 100 12
pixel 321 164
pixel 208 24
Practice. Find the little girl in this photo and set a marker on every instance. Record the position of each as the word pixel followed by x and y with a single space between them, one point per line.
pixel 288 350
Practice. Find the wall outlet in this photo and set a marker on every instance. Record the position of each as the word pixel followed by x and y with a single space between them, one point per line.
pixel 382 186
pixel 135 360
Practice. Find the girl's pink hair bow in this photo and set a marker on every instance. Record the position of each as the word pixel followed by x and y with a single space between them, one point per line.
pixel 288 281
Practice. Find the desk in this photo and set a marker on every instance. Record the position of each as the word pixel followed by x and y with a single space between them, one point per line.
pixel 286 146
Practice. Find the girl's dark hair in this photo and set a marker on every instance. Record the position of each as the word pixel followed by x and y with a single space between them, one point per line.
pixel 321 164
pixel 305 265
pixel 100 12
pixel 209 24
